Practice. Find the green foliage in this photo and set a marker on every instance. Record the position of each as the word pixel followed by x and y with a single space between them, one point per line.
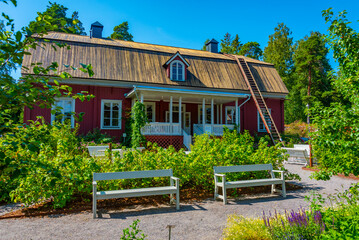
pixel 279 52
pixel 55 17
pixel 133 232
pixel 139 120
pixel 252 50
pixel 335 143
pixel 97 137
pixel 311 68
pixel 240 228
pixel 121 32
pixel 40 161
pixel 341 218
pixel 204 48
pixel 29 90
pixel 234 46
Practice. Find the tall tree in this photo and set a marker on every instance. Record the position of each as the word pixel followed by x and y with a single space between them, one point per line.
pixel 252 50
pixel 310 76
pixel 230 45
pixel 55 17
pixel 279 51
pixel 337 136
pixel 120 32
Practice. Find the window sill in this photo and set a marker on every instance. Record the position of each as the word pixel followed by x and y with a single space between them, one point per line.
pixel 107 128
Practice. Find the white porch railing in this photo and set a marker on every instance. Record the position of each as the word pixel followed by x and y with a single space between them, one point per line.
pixel 215 129
pixel 162 128
pixel 187 140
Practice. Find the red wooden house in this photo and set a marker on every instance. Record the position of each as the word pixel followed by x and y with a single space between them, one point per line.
pixel 185 91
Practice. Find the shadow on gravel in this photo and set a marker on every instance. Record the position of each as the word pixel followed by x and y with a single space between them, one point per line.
pixel 262 199
pixel 152 211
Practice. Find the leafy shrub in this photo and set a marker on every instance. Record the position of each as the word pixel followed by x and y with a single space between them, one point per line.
pixel 240 228
pixel 40 161
pixel 96 137
pixel 133 232
pixel 298 128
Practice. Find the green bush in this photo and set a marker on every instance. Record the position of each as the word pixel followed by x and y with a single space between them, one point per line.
pixel 41 162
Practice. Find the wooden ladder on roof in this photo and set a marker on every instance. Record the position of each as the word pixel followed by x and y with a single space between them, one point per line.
pixel 259 101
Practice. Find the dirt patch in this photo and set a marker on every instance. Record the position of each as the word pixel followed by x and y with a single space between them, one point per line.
pixel 350 176
pixel 82 204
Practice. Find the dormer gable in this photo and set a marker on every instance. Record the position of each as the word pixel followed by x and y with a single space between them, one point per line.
pixel 176 67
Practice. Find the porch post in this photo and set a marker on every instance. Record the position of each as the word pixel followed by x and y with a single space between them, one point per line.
pixel 212 114
pixel 180 113
pixel 141 98
pixel 217 107
pixel 237 117
pixel 221 113
pixel 171 108
pixel 203 115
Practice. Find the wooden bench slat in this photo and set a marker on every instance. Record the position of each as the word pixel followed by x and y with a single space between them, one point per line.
pixel 242 168
pixel 138 192
pixel 253 183
pixel 133 174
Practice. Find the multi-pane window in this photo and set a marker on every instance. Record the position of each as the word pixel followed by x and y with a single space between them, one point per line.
pixel 207 113
pixel 64 109
pixel 230 115
pixel 111 114
pixel 150 111
pixel 177 71
pixel 261 127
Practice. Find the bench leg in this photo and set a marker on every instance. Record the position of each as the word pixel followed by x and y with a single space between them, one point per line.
pixel 215 192
pixel 283 190
pixel 94 207
pixel 273 189
pixel 224 195
pixel 177 199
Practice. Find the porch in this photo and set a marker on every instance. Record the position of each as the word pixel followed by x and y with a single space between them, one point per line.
pixel 182 112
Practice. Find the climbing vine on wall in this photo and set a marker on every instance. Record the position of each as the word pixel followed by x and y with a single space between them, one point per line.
pixel 139 120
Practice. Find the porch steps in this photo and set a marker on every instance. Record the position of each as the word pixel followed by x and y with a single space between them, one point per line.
pixel 259 101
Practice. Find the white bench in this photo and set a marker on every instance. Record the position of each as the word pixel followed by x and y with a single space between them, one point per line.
pixel 97 151
pixel 218 172
pixel 297 155
pixel 138 192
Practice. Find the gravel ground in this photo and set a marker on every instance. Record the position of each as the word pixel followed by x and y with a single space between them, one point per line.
pixel 197 220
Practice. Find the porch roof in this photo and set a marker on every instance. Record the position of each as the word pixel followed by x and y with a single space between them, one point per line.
pixel 191 95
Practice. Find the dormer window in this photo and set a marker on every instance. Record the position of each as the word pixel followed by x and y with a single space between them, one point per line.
pixel 176 67
pixel 177 71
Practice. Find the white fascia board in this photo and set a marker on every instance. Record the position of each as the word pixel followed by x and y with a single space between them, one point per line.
pixel 186 91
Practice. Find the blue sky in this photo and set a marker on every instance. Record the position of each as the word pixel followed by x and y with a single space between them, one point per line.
pixel 189 23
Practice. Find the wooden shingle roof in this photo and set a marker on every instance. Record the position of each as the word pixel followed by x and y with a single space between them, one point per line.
pixel 143 63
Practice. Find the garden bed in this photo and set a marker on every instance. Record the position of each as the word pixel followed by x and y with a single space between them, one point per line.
pixel 81 204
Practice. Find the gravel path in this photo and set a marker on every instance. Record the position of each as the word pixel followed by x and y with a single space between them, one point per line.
pixel 199 220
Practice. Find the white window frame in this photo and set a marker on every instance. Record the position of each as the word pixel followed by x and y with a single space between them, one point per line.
pixel 103 101
pixel 200 115
pixel 60 99
pixel 175 105
pixel 234 114
pixel 183 71
pixel 153 104
pixel 259 119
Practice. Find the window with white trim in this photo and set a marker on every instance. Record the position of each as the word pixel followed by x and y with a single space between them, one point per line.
pixel 207 116
pixel 230 115
pixel 111 112
pixel 177 71
pixel 150 111
pixel 261 127
pixel 175 113
pixel 63 110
